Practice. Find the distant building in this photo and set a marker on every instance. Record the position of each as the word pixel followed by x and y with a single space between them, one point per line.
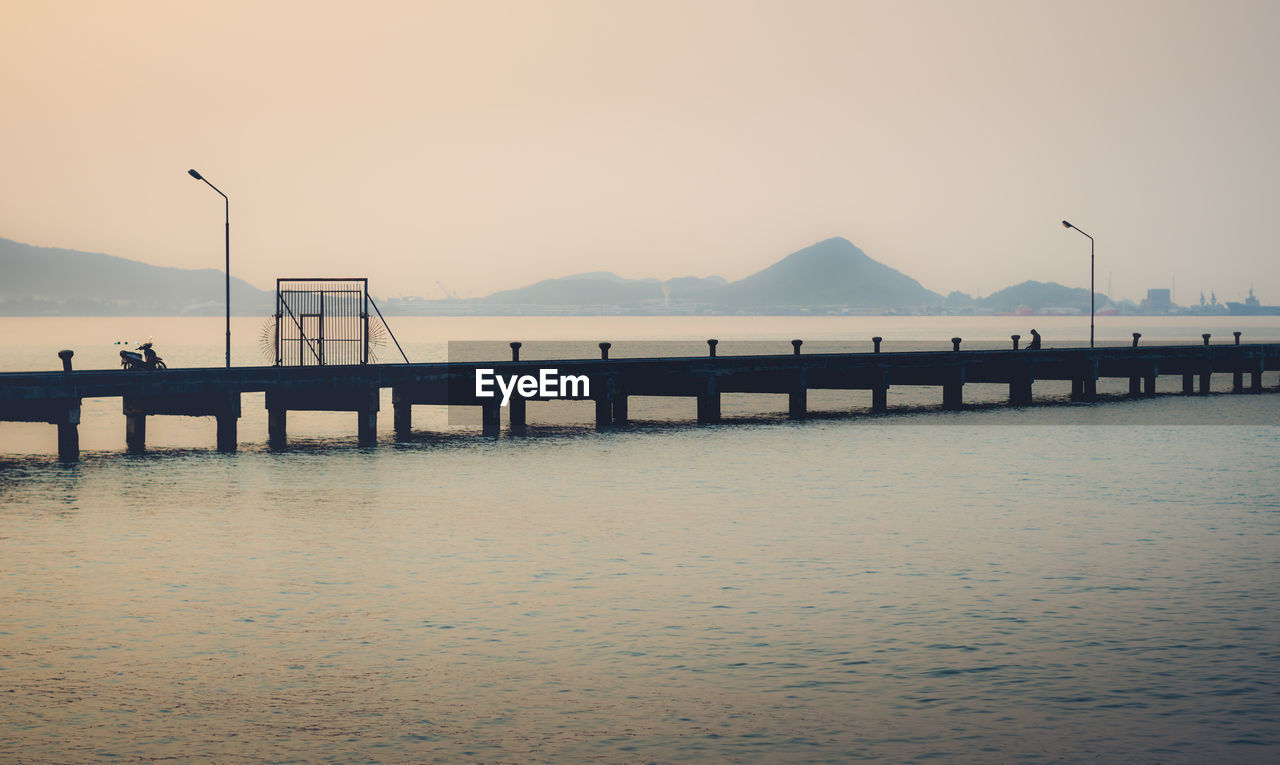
pixel 1158 301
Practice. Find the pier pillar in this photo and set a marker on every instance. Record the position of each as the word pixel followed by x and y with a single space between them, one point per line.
pixel 1255 378
pixel 1205 376
pixel 68 420
pixel 1135 385
pixel 1149 382
pixel 228 437
pixel 1188 383
pixel 401 412
pixel 880 399
pixel 709 404
pixel 1020 386
pixel 798 398
pixel 1237 381
pixel 953 389
pixel 604 413
pixel 69 435
pixel 517 415
pixel 1084 387
pixel 367 426
pixel 606 396
pixel 490 419
pixel 135 432
pixel 277 430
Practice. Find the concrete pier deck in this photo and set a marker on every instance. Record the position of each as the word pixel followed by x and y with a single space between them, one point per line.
pixel 55 397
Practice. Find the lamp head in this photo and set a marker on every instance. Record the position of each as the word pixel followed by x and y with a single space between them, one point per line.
pixel 197 176
pixel 1065 224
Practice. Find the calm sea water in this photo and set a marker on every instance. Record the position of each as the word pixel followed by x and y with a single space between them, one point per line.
pixel 1044 584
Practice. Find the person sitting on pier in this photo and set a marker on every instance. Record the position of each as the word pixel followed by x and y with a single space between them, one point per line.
pixel 1034 345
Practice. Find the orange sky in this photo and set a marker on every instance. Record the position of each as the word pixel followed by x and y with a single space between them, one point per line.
pixel 490 144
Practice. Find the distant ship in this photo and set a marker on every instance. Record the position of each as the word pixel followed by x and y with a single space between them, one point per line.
pixel 1251 307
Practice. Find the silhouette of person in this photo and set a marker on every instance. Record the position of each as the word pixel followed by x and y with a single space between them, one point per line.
pixel 1034 345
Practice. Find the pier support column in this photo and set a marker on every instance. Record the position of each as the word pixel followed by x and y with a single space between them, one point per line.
pixel 1255 378
pixel 367 426
pixel 620 415
pixel 69 435
pixel 135 432
pixel 1020 387
pixel 227 415
pixel 516 415
pixel 1205 376
pixel 1135 386
pixel 880 391
pixel 367 405
pixel 1149 380
pixel 277 430
pixel 604 403
pixel 604 413
pixel 798 399
pixel 1188 384
pixel 1084 387
pixel 490 419
pixel 401 412
pixel 1237 382
pixel 228 436
pixel 709 404
pixel 953 390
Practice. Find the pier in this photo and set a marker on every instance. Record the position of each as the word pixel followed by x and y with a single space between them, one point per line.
pixel 55 397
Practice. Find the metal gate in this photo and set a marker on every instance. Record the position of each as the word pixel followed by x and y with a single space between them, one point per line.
pixel 322 322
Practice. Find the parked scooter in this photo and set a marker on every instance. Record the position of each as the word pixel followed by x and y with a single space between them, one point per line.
pixel 145 360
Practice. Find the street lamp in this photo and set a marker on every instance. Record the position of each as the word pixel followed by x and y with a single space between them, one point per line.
pixel 200 177
pixel 1091 294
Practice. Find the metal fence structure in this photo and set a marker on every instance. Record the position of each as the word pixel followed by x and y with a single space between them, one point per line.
pixel 321 322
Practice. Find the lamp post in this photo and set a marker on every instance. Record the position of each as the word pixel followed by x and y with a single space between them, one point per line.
pixel 1091 293
pixel 227 202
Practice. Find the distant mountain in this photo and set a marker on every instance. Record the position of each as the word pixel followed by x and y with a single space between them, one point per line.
pixel 1039 296
pixel 832 272
pixel 39 281
pixel 830 276
pixel 603 288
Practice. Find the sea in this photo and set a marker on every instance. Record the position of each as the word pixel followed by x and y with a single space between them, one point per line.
pixel 1058 582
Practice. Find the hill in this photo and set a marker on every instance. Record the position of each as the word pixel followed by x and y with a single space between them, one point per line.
pixel 832 272
pixel 1039 296
pixel 604 288
pixel 43 281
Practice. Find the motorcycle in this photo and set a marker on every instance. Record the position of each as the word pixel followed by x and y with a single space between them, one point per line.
pixel 145 360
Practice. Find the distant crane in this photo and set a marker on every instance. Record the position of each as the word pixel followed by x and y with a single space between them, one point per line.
pixel 447 292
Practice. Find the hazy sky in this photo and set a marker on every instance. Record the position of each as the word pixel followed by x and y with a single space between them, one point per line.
pixel 490 144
